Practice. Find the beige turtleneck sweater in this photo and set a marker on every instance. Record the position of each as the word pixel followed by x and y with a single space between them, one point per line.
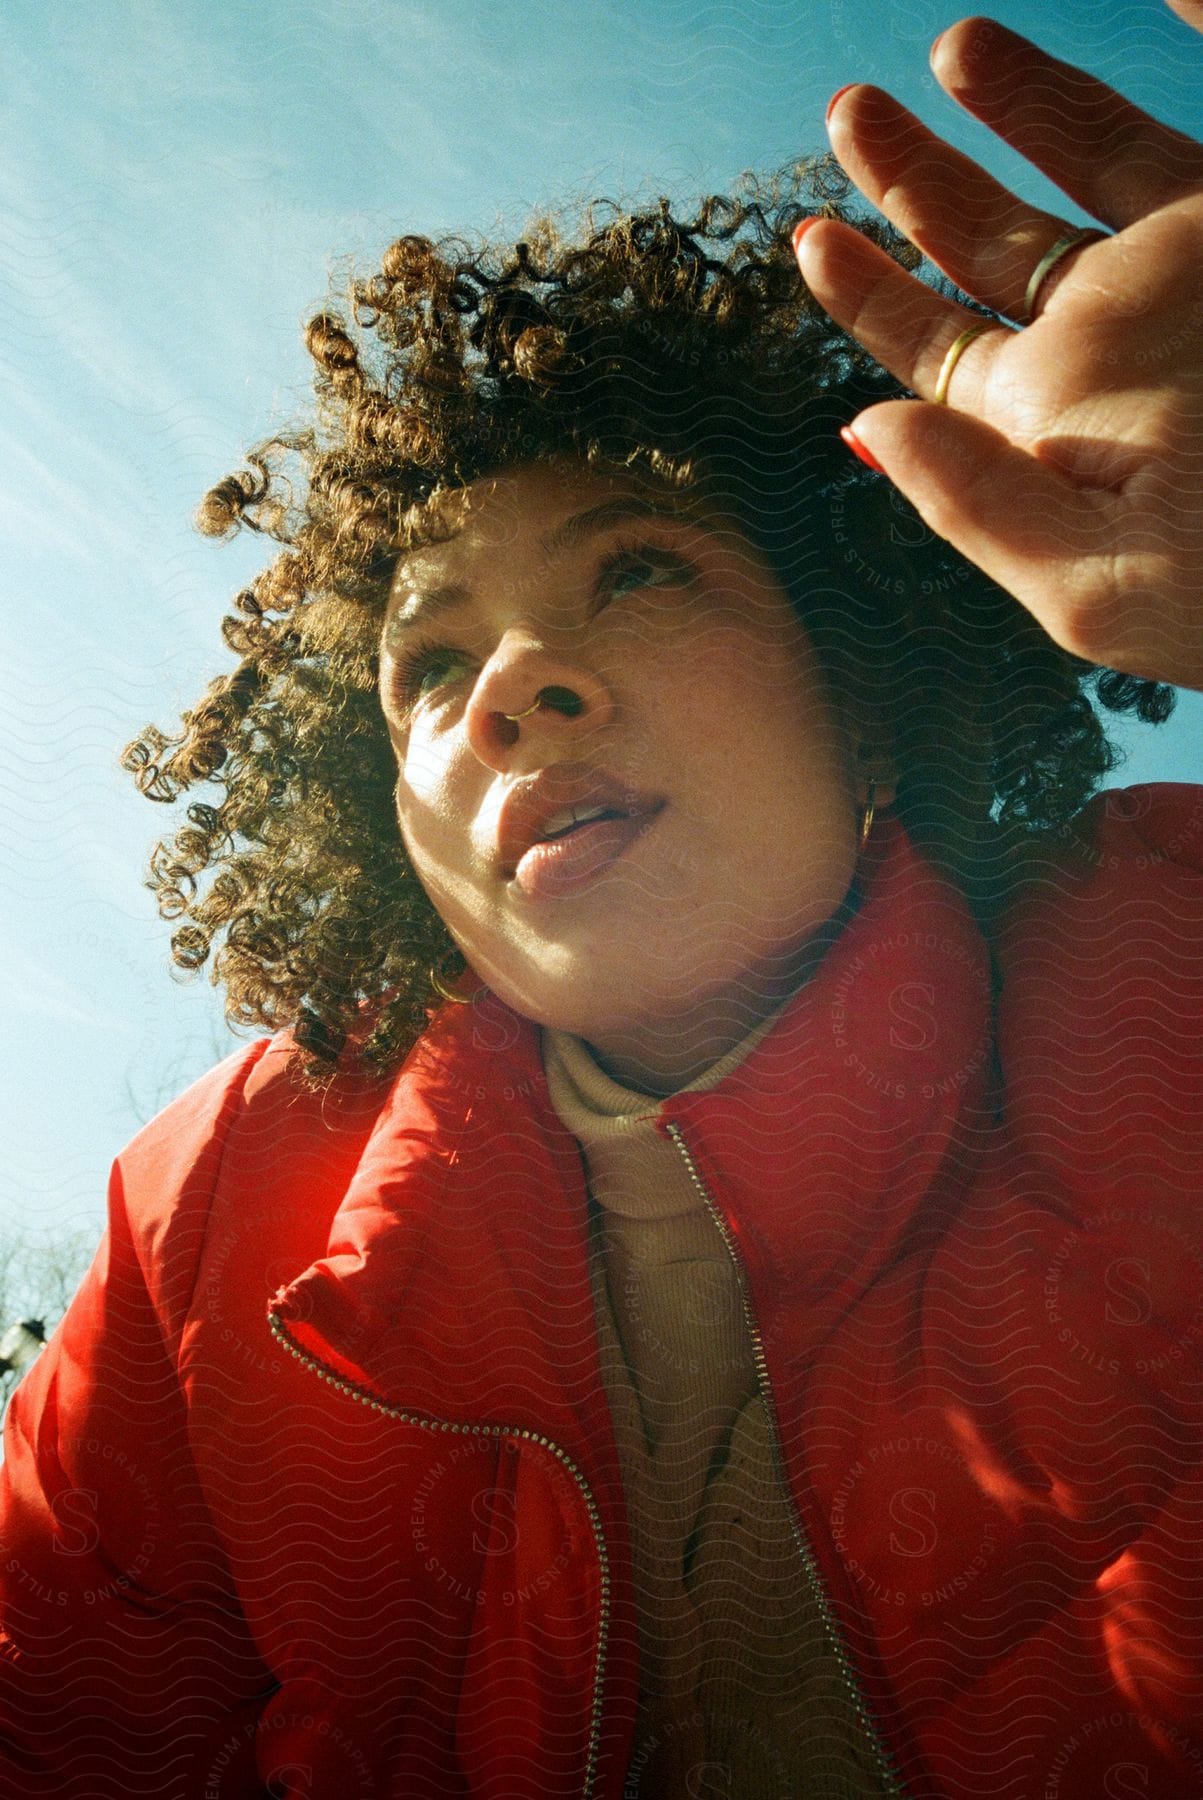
pixel 741 1694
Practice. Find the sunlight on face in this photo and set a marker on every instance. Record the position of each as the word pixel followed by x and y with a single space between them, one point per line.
pixel 621 781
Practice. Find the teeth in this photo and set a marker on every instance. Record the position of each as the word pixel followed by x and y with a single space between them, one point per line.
pixel 568 816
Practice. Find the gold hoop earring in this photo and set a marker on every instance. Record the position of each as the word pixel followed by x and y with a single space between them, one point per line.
pixel 444 992
pixel 866 818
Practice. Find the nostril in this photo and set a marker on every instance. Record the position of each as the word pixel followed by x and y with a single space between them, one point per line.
pixel 505 728
pixel 563 700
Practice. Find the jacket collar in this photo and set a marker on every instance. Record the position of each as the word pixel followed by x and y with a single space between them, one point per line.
pixel 851 1126
pixel 456 1276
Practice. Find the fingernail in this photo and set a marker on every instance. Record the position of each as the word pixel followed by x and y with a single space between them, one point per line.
pixel 862 450
pixel 835 98
pixel 801 229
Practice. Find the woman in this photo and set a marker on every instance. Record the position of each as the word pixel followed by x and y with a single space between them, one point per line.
pixel 752 1345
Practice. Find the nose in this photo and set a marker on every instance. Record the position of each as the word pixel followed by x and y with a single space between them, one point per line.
pixel 529 701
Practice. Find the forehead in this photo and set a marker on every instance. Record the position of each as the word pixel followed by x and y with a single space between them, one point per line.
pixel 541 511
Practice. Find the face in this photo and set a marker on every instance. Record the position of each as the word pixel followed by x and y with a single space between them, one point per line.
pixel 620 779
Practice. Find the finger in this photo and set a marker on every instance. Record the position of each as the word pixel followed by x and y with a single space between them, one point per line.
pixel 901 322
pixel 1018 518
pixel 1191 11
pixel 972 227
pixel 1114 160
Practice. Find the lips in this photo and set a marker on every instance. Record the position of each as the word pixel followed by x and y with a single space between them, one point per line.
pixel 558 830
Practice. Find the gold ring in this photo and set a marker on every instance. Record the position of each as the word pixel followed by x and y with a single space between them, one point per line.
pixel 1049 261
pixel 514 717
pixel 956 350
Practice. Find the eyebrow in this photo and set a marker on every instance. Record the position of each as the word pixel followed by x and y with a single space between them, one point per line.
pixel 425 605
pixel 584 524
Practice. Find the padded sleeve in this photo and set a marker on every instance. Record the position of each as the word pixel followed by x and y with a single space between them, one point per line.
pixel 126 1669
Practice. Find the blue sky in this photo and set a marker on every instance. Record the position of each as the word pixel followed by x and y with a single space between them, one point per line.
pixel 178 180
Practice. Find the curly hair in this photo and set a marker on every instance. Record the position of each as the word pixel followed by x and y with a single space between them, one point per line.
pixel 687 354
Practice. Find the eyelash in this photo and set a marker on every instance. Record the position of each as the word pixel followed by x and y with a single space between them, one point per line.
pixel 416 664
pixel 636 552
pixel 420 659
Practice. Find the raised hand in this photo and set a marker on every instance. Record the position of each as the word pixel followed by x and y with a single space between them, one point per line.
pixel 1067 459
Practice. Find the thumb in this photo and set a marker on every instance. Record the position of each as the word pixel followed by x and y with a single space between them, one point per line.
pixel 1018 518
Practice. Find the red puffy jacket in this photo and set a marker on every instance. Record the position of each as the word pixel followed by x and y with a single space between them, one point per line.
pixel 315 1492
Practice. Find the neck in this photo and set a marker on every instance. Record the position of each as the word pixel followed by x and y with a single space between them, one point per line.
pixel 662 1057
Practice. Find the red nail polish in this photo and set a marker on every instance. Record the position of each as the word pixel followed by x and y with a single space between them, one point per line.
pixel 801 229
pixel 838 95
pixel 862 450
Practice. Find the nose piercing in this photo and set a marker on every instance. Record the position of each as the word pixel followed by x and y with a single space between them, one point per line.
pixel 562 699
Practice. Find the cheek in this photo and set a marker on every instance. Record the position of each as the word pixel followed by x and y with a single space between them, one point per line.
pixel 708 674
pixel 736 644
pixel 421 796
pixel 420 770
pixel 435 806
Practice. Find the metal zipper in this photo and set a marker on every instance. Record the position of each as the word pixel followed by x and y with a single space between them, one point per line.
pixel 873 1737
pixel 447 1426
